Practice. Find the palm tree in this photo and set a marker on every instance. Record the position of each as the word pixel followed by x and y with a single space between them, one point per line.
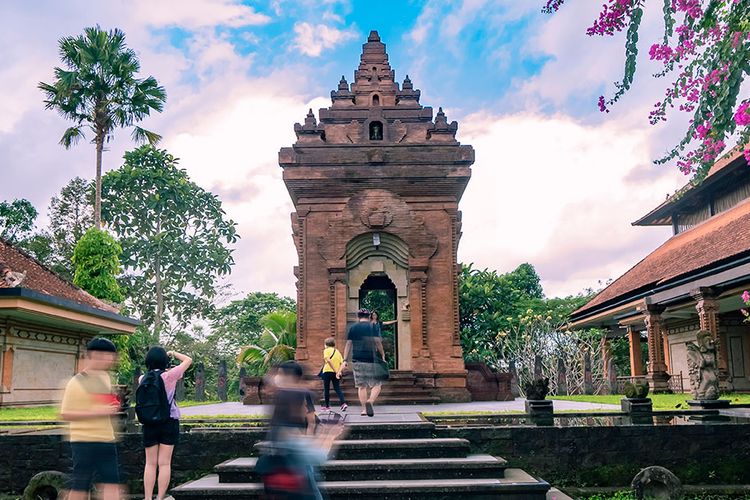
pixel 276 344
pixel 98 90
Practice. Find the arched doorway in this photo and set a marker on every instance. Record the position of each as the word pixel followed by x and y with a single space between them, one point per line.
pixel 378 293
pixel 377 278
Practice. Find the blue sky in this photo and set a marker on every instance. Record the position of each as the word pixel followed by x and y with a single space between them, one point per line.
pixel 556 183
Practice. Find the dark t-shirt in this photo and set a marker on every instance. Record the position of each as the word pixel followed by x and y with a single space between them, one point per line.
pixel 362 334
pixel 292 407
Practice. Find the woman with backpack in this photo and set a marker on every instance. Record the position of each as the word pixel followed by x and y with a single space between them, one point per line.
pixel 160 417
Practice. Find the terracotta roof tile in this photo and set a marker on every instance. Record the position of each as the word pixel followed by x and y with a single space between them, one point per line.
pixel 43 280
pixel 720 237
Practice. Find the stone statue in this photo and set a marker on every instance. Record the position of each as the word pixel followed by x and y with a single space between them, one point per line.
pixel 536 390
pixel 702 367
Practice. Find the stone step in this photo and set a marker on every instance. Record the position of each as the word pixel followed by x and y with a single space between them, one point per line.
pixel 370 449
pixel 399 430
pixel 517 485
pixel 242 470
pixel 386 399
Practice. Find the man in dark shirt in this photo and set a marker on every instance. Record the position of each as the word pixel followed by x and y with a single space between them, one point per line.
pixel 364 343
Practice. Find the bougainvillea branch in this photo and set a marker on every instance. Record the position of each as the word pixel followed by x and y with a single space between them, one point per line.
pixel 706 49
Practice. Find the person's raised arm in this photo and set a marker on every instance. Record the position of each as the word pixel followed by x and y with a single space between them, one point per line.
pixel 185 361
pixel 392 322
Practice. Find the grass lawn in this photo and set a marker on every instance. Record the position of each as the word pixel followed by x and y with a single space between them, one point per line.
pixel 661 401
pixel 29 413
pixel 50 412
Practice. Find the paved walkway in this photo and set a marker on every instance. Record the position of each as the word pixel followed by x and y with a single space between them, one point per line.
pixel 396 413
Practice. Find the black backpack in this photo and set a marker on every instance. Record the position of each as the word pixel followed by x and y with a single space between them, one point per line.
pixel 151 403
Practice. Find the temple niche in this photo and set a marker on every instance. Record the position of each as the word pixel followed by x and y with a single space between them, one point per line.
pixel 376 181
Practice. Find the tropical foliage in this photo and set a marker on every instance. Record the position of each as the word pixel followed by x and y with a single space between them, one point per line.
pixel 705 48
pixel 98 91
pixel 239 322
pixel 174 234
pixel 97 263
pixel 276 344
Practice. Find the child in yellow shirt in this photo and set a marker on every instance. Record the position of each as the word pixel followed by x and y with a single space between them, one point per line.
pixel 331 373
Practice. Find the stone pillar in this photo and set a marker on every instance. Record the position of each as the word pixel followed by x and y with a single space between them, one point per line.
pixel 538 371
pixel 562 378
pixel 243 374
pixel 611 375
pixel 588 379
pixel 657 376
pixel 514 389
pixel 221 381
pixel 200 382
pixel 707 306
pixel 636 354
pixel 418 304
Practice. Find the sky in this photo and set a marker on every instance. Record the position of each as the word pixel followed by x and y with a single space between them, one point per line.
pixel 556 183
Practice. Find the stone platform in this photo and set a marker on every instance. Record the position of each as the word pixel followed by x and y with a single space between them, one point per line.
pixel 368 466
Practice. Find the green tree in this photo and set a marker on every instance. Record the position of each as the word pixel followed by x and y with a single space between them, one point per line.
pixel 17 220
pixel 174 236
pixel 239 322
pixel 97 262
pixel 71 214
pixel 489 302
pixel 98 90
pixel 276 344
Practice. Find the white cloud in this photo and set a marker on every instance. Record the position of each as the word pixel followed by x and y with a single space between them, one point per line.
pixel 312 40
pixel 561 195
pixel 193 14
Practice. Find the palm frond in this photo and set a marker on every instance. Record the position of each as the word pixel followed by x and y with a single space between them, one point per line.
pixel 141 136
pixel 71 136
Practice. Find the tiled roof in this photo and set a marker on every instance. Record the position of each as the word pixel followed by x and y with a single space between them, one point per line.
pixel 661 215
pixel 40 279
pixel 719 238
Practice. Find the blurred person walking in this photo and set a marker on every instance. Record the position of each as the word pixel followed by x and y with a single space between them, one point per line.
pixel 89 404
pixel 296 444
pixel 364 344
pixel 158 413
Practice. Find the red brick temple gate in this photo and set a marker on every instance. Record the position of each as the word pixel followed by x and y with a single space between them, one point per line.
pixel 376 185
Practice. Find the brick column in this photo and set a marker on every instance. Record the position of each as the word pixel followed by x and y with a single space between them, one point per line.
pixel 657 375
pixel 707 306
pixel 636 354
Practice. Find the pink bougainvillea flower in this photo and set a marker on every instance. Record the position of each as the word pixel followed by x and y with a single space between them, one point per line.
pixel 746 297
pixel 742 116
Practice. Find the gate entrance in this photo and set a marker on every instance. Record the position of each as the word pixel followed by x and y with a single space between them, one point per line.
pixel 378 294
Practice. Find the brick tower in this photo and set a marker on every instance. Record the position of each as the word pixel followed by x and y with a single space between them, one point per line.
pixel 376 184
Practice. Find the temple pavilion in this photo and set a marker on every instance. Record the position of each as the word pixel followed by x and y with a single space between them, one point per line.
pixel 692 282
pixel 45 323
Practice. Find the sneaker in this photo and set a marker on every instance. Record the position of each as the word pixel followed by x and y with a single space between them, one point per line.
pixel 344 407
pixel 326 408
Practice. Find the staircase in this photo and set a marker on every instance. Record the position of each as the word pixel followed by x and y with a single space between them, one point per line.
pixel 400 388
pixel 408 464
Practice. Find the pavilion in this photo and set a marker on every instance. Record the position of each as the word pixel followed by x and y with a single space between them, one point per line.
pixel 45 323
pixel 692 282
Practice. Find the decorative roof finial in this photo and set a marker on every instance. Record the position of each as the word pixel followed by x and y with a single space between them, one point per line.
pixel 407 84
pixel 343 85
pixel 310 120
pixel 374 37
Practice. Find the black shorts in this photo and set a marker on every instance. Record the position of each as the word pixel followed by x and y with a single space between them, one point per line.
pixel 166 433
pixel 94 463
